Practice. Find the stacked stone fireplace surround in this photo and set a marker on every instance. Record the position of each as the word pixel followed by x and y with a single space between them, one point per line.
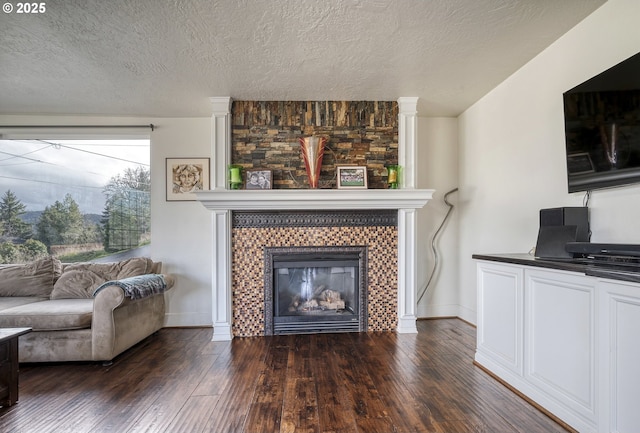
pixel 265 136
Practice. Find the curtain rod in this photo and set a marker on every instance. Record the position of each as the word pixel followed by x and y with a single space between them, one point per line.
pixel 151 126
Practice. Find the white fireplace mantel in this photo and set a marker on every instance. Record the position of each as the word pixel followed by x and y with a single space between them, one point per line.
pixel 318 199
pixel 222 201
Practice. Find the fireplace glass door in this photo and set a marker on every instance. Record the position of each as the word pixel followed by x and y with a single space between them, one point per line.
pixel 315 293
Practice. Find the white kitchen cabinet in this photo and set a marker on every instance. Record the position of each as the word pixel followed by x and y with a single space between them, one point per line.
pixel 570 342
pixel 620 356
pixel 499 335
pixel 560 343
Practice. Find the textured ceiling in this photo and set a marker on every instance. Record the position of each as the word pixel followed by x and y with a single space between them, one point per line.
pixel 167 57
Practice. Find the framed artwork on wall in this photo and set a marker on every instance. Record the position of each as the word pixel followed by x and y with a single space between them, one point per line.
pixel 258 179
pixel 186 176
pixel 352 177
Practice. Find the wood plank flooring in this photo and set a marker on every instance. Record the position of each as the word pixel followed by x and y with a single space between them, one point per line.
pixel 180 381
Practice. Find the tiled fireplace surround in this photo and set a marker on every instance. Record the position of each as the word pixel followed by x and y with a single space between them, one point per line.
pixel 251 232
pixel 237 272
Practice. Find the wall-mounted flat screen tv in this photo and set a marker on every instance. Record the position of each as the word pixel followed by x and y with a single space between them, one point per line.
pixel 602 129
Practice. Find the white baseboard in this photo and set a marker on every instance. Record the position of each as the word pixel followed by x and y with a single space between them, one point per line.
pixel 468 315
pixel 449 310
pixel 187 319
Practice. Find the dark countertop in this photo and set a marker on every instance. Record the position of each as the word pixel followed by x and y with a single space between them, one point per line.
pixel 614 270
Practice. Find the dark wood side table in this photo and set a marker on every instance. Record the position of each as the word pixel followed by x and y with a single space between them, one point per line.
pixel 9 364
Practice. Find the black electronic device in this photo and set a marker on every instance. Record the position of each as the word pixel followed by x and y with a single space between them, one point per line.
pixel 552 241
pixel 559 226
pixel 568 216
pixel 603 249
pixel 602 128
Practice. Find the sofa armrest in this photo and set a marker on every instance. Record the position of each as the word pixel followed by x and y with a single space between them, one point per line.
pixel 103 329
pixel 119 322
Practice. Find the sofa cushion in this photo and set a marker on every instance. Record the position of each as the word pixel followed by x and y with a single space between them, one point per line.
pixel 49 315
pixel 33 279
pixel 14 301
pixel 79 280
pixel 76 284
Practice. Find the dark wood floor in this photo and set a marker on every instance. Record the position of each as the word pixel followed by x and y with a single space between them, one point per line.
pixel 179 381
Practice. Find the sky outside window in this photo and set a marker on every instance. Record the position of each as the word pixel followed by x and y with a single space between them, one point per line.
pixel 40 172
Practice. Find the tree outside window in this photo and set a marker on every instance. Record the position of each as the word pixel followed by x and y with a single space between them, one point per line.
pixel 75 199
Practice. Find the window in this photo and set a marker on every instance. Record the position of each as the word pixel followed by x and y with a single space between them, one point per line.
pixel 75 199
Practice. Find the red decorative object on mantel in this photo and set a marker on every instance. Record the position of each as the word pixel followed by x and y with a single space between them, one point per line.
pixel 312 149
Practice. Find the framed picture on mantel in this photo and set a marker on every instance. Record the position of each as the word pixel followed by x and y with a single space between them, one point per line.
pixel 352 177
pixel 258 179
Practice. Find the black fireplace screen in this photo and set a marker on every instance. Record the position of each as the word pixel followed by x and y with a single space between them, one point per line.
pixel 306 288
pixel 316 292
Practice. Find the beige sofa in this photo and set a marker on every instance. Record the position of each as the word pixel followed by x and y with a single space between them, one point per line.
pixel 82 311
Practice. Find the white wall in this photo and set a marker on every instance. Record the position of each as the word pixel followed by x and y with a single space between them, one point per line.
pixel 438 162
pixel 512 148
pixel 181 231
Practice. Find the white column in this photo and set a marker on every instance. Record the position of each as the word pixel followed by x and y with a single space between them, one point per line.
pixel 220 141
pixel 407 272
pixel 407 249
pixel 221 278
pixel 407 140
pixel 221 220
